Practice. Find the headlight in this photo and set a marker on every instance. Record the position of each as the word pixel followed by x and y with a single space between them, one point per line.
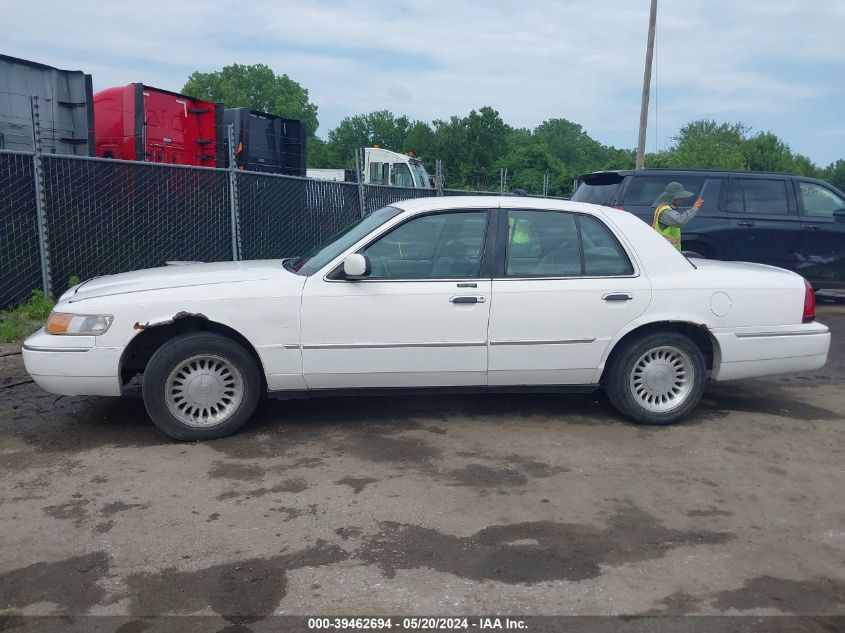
pixel 91 324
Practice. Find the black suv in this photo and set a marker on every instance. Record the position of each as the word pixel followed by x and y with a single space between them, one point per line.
pixel 779 219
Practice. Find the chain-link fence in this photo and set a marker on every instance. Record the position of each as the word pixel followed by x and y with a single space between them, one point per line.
pixel 105 216
pixel 378 196
pixel 20 265
pixel 282 216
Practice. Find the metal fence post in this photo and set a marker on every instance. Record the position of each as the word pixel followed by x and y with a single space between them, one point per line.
pixel 359 171
pixel 40 202
pixel 233 195
pixel 438 176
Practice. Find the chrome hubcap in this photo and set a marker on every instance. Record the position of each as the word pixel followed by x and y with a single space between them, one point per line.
pixel 204 390
pixel 662 379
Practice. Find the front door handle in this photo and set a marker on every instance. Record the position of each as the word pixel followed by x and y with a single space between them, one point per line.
pixel 812 227
pixel 617 296
pixel 468 299
pixel 746 224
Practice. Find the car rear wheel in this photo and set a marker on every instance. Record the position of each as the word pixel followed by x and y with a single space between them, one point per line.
pixel 201 386
pixel 657 379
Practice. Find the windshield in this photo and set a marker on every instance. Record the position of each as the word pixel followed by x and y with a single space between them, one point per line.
pixel 420 175
pixel 322 254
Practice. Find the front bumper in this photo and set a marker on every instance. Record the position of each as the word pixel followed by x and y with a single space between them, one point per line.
pixel 762 351
pixel 72 365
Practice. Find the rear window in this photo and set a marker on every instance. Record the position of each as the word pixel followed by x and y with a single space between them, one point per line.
pixel 599 187
pixel 596 193
pixel 645 190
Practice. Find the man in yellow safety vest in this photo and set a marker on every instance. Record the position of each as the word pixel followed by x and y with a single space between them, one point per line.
pixel 668 219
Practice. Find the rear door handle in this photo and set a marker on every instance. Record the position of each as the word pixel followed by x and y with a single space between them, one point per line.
pixel 746 224
pixel 617 296
pixel 812 227
pixel 468 299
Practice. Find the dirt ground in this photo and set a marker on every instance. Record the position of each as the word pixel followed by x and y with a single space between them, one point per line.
pixel 529 504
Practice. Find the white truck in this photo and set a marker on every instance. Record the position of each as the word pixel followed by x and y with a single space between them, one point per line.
pixel 383 167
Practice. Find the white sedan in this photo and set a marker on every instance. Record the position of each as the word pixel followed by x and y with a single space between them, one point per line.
pixel 464 293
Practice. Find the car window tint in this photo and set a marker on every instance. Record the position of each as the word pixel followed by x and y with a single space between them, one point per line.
pixel 438 246
pixel 603 255
pixel 645 190
pixel 764 196
pixel 402 175
pixel 734 202
pixel 820 201
pixel 595 194
pixel 542 244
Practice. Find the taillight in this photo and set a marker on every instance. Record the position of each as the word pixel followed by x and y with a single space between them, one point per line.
pixel 616 206
pixel 809 303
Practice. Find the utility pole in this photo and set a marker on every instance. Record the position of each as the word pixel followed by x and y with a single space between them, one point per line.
pixel 649 54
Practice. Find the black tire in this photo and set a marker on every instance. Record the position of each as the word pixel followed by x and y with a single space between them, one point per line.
pixel 221 354
pixel 621 389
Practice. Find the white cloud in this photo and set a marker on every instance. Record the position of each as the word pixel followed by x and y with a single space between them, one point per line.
pixel 530 60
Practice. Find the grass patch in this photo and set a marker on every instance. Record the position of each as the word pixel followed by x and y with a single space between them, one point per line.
pixel 17 324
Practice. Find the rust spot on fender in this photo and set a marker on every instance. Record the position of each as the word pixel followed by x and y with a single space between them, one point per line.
pixel 179 315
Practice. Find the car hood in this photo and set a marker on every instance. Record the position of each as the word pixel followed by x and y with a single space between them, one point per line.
pixel 176 276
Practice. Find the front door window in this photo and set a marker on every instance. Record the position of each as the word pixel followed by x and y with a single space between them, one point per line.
pixel 402 175
pixel 437 246
pixel 820 201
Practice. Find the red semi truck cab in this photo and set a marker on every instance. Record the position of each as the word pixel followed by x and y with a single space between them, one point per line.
pixel 137 122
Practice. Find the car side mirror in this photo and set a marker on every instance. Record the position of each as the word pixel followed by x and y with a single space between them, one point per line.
pixel 356 266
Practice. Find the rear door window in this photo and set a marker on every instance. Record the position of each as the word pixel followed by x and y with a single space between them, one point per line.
pixel 758 196
pixel 543 244
pixel 603 254
pixel 561 244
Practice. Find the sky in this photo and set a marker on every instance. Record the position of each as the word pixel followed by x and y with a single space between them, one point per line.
pixel 774 65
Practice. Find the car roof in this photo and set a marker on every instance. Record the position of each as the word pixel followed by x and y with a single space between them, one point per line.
pixel 666 170
pixel 420 205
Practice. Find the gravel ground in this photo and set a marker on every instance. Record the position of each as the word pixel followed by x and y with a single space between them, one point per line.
pixel 529 504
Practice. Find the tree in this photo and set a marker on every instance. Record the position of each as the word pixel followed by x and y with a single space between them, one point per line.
pixel 766 152
pixel 706 144
pixel 475 147
pixel 420 141
pixel 803 166
pixel 528 164
pixel 322 154
pixel 835 174
pixel 255 87
pixel 568 142
pixel 471 146
pixel 380 128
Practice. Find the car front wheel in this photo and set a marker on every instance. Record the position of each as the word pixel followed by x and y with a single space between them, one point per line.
pixel 657 379
pixel 201 386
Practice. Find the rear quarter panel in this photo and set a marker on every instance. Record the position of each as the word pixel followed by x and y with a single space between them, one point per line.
pixel 719 297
